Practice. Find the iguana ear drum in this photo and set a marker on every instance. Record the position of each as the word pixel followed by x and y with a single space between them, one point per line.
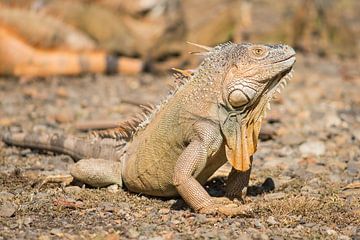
pixel 240 95
pixel 237 98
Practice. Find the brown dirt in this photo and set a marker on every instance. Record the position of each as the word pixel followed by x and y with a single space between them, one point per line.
pixel 310 148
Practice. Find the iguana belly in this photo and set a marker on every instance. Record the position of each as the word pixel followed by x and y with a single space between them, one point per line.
pixel 154 176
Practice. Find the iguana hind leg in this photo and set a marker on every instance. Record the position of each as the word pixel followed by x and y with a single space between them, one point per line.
pixel 97 172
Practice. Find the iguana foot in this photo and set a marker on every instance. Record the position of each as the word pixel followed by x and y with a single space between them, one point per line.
pixel 64 180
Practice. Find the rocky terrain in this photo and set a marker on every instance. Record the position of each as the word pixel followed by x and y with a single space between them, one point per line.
pixel 310 146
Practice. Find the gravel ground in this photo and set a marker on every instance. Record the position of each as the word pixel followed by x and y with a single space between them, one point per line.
pixel 309 146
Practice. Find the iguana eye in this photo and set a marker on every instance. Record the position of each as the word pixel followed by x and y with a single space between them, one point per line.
pixel 237 98
pixel 259 52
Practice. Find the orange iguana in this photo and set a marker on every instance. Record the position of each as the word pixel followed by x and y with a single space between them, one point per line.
pixel 18 58
pixel 213 117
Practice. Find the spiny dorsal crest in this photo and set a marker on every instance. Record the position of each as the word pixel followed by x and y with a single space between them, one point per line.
pixel 126 129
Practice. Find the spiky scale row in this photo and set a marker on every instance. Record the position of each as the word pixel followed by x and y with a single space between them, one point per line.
pixel 126 129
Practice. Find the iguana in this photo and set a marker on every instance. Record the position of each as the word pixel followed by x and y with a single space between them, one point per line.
pixel 18 58
pixel 212 117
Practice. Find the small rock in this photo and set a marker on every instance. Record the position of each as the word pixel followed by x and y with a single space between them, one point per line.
pixel 244 236
pixel 124 205
pixel 6 196
pixel 164 211
pixel 353 167
pixel 72 190
pixel 267 133
pixel 44 237
pixel 56 232
pixel 107 206
pixel 343 237
pixel 64 117
pixel 335 178
pixel 332 120
pixel 257 223
pixel 114 188
pixel 316 169
pixel 333 163
pixel 171 201
pixel 291 139
pixel 25 152
pixel 312 148
pixel 261 236
pixel 271 220
pixel 7 209
pixel 62 92
pixel 132 233
pixel 330 232
pixel 308 189
pixel 356 133
pixel 28 221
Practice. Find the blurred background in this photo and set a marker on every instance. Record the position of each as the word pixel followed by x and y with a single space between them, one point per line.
pixel 70 37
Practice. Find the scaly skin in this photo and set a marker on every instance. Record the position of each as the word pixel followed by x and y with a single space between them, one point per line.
pixel 214 117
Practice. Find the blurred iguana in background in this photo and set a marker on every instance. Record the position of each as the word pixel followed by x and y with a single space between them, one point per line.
pixel 81 36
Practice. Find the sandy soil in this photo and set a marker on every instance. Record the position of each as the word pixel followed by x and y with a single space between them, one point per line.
pixel 310 147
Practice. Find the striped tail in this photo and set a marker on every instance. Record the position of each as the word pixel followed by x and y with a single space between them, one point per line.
pixel 73 146
pixel 18 58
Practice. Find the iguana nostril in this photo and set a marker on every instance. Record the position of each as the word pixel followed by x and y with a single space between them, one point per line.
pixel 237 98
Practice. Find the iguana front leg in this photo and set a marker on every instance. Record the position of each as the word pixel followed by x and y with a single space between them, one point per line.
pixel 192 161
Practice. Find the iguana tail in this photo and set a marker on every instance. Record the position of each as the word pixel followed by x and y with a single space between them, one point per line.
pixel 73 146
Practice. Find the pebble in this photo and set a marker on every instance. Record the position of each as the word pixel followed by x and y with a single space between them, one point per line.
pixel 7 209
pixel 312 148
pixel 257 223
pixel 72 190
pixel 244 236
pixel 335 178
pixel 291 139
pixel 261 236
pixel 332 120
pixel 353 167
pixel 6 196
pixel 164 211
pixel 107 206
pixel 330 232
pixel 334 163
pixel 356 133
pixel 25 152
pixel 271 220
pixel 316 169
pixel 343 237
pixel 64 117
pixel 56 232
pixel 114 188
pixel 132 233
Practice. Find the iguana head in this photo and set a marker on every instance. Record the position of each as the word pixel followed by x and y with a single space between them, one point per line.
pixel 253 74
